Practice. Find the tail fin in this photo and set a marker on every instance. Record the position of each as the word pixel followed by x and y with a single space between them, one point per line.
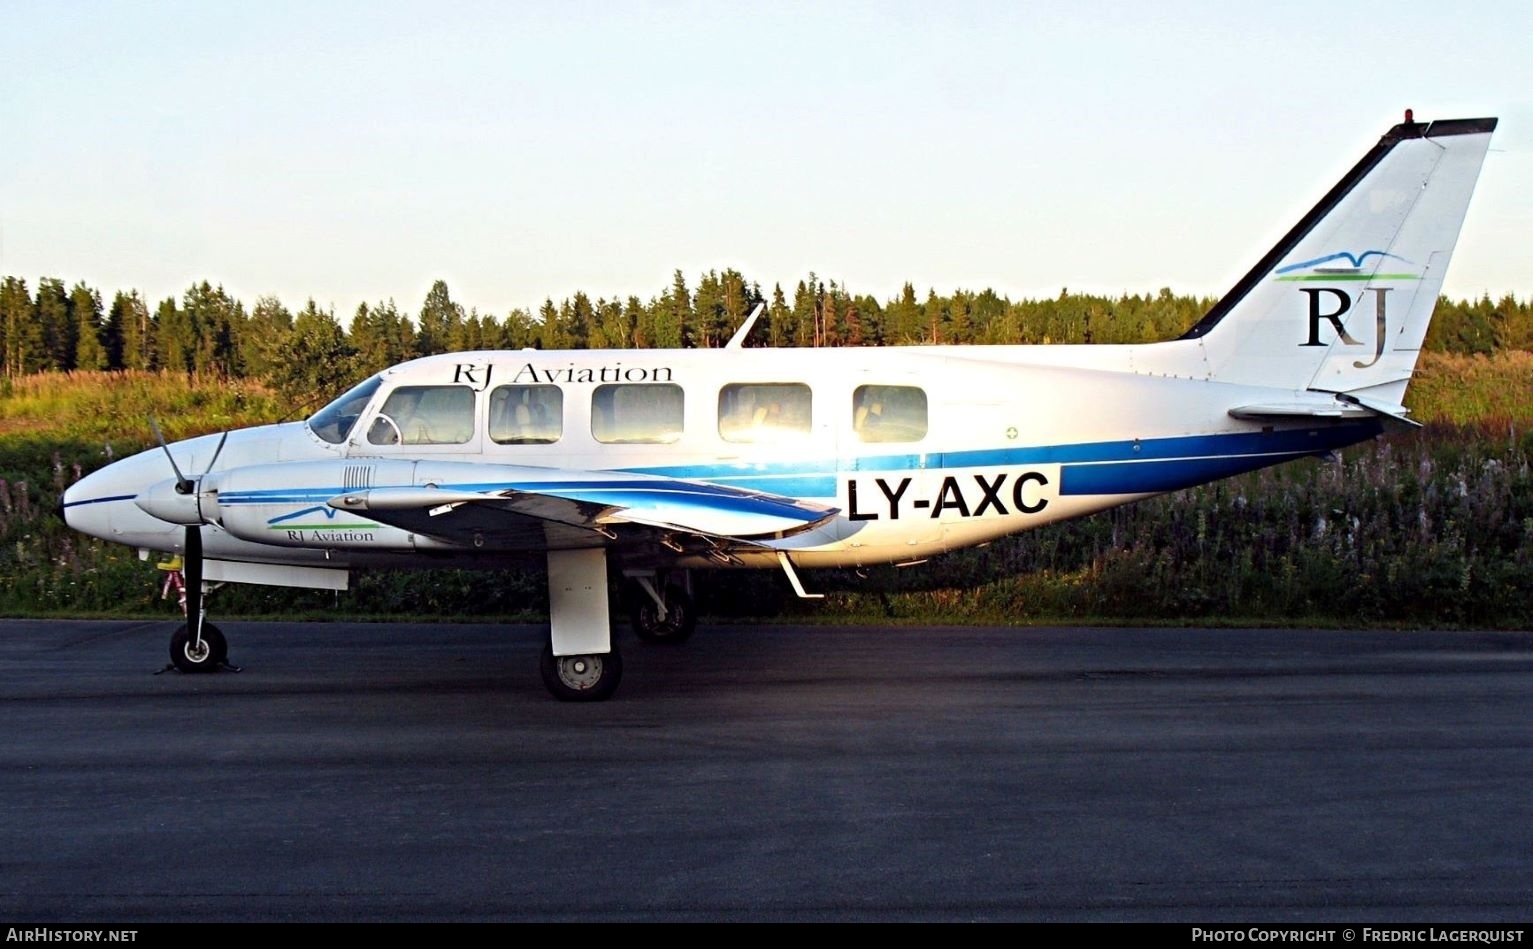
pixel 1342 303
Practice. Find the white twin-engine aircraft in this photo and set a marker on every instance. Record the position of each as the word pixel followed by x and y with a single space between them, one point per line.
pixel 655 461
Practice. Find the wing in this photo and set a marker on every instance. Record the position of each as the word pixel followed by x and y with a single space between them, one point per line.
pixel 579 509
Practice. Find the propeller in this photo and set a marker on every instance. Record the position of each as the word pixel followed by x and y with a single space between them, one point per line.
pixel 191 567
pixel 185 485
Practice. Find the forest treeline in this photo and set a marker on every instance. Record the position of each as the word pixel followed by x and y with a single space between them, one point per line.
pixel 207 332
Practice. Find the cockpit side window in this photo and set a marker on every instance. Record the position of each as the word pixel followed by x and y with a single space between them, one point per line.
pixel 526 415
pixel 335 421
pixel 889 413
pixel 425 415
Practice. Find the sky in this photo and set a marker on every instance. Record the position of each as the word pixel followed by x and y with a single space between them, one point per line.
pixel 357 152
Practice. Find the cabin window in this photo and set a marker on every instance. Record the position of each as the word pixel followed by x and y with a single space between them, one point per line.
pixel 526 415
pixel 889 413
pixel 764 412
pixel 636 414
pixel 425 415
pixel 336 420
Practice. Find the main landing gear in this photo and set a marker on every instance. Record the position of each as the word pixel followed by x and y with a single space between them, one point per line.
pixel 580 662
pixel 662 612
pixel 584 678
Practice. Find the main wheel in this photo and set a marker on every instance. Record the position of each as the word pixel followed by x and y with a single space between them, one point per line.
pixel 680 617
pixel 589 678
pixel 205 657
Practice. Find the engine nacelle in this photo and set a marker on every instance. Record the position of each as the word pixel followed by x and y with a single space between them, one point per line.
pixel 287 505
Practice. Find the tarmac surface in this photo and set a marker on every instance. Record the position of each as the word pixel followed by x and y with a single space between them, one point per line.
pixel 420 772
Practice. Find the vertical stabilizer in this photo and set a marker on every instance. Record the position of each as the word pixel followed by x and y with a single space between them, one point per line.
pixel 1342 303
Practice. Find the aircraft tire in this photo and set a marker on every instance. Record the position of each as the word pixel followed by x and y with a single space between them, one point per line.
pixel 590 678
pixel 680 621
pixel 214 652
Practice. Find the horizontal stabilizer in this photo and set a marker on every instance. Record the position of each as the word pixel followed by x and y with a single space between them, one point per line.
pixel 1280 410
pixel 1340 406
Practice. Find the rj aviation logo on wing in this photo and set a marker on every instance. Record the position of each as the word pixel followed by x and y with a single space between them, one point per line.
pixel 1330 267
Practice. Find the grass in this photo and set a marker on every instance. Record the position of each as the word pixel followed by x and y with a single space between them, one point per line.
pixel 1490 392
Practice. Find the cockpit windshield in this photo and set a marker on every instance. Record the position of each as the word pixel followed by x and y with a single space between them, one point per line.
pixel 334 422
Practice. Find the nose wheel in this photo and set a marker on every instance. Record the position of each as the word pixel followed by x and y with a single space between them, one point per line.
pixel 204 656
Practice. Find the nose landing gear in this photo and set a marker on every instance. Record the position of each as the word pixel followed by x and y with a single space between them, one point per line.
pixel 206 650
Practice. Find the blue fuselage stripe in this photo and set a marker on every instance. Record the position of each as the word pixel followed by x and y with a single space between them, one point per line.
pixel 115 497
pixel 1148 477
pixel 1118 467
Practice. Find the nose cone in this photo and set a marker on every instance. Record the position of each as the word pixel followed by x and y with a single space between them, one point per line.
pixel 86 504
pixel 101 503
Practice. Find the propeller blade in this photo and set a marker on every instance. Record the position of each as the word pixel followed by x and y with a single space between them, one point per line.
pixel 183 483
pixel 216 452
pixel 191 573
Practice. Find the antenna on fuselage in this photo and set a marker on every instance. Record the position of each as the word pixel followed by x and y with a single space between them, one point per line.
pixel 737 341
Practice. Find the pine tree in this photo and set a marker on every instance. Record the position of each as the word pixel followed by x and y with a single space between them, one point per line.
pixel 640 322
pixel 135 329
pixel 397 332
pixel 215 321
pixel 675 317
pixel 707 312
pixel 468 335
pixel 806 313
pixel 736 303
pixel 830 318
pixel 903 320
pixel 175 338
pixel 58 328
pixel 550 333
pixel 578 317
pixel 265 336
pixel 519 330
pixel 932 317
pixel 779 319
pixel 439 317
pixel 25 348
pixel 318 363
pixel 610 330
pixel 111 330
pixel 85 306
